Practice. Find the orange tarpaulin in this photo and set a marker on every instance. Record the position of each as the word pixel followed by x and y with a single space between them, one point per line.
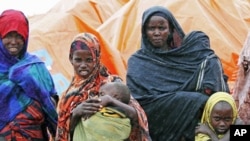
pixel 117 23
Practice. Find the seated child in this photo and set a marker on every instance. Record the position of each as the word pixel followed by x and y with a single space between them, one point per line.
pixel 109 124
pixel 219 113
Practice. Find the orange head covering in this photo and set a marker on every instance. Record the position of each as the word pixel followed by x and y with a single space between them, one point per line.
pixel 80 88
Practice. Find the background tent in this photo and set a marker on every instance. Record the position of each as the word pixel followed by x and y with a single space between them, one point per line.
pixel 117 24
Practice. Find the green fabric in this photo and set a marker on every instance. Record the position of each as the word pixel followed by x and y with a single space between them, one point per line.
pixel 103 126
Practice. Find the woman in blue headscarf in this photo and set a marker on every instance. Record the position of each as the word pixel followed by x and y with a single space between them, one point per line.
pixel 172 75
pixel 27 91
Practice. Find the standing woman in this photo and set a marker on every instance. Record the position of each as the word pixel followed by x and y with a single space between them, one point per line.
pixel 26 86
pixel 89 75
pixel 172 75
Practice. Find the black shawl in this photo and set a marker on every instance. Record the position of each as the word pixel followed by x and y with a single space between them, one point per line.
pixel 170 84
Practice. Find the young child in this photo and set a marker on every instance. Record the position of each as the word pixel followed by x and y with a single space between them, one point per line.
pixel 219 113
pixel 110 123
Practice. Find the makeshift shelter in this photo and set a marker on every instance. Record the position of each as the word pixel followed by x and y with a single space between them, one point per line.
pixel 117 25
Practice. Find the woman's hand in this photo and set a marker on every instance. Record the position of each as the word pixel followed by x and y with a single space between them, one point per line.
pixel 84 110
pixel 87 108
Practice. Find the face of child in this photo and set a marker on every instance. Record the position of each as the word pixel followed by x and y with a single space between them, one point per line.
pixel 83 63
pixel 221 117
pixel 107 90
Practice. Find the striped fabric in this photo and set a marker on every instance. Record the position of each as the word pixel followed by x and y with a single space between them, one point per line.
pixel 26 126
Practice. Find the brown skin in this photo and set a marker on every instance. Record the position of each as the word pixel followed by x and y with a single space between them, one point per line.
pixel 83 65
pixel 82 62
pixel 14 43
pixel 221 119
pixel 109 89
pixel 89 107
pixel 157 31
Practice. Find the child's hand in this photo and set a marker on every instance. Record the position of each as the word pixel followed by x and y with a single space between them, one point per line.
pixel 106 100
pixel 202 128
pixel 87 108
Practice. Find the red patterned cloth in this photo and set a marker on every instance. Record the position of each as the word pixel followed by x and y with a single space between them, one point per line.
pixel 27 125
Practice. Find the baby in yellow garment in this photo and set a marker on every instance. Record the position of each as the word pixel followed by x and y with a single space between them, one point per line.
pixel 110 123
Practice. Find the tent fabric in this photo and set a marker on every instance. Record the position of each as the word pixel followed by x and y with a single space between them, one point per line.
pixel 117 24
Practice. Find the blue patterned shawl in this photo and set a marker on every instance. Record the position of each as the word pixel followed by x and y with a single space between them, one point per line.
pixel 23 80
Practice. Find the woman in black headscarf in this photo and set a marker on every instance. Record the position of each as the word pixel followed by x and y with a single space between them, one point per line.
pixel 172 75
